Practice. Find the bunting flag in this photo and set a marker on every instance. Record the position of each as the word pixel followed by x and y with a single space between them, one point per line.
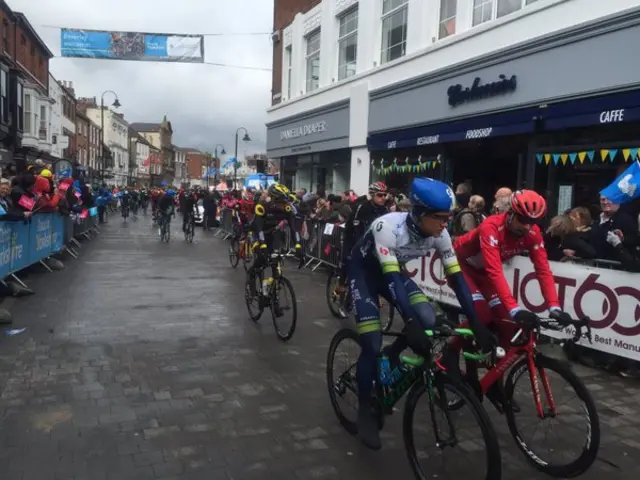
pixel 385 167
pixel 610 154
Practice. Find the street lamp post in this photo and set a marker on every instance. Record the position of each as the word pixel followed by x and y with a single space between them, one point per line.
pixel 246 138
pixel 215 156
pixel 116 104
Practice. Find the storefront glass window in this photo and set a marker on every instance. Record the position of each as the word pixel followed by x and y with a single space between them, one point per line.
pixel 348 44
pixel 313 61
pixel 447 18
pixel 482 11
pixel 394 29
pixel 505 7
pixel 288 54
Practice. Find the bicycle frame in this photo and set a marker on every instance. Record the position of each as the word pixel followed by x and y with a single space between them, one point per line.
pixel 513 355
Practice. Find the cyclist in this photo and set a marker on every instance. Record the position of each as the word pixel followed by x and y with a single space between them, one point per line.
pixel 268 214
pixel 481 253
pixel 125 202
pixel 135 201
pixel 144 200
pixel 189 200
pixel 358 223
pixel 166 207
pixel 374 269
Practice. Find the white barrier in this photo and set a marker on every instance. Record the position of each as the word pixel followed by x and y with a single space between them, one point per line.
pixel 611 298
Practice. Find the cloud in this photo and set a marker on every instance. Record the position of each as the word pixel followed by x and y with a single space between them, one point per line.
pixel 204 103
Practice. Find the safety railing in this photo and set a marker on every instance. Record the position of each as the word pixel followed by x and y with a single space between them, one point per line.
pixel 26 243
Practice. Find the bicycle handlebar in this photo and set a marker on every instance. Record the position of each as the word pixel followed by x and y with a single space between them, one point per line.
pixel 579 325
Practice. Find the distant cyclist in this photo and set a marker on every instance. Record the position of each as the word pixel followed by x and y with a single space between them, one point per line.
pixel 166 207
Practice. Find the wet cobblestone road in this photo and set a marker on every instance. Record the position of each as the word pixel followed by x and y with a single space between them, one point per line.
pixel 139 362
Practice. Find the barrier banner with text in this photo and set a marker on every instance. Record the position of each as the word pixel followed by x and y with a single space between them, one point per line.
pixel 611 298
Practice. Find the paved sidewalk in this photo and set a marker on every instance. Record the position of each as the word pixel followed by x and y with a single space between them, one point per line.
pixel 139 362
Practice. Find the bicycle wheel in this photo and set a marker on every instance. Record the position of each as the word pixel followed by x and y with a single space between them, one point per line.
pixel 346 382
pixel 539 457
pixel 234 248
pixel 252 289
pixel 335 303
pixel 188 234
pixel 167 232
pixel 278 310
pixel 471 449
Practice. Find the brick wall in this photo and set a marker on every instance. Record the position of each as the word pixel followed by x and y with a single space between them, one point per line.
pixel 195 161
pixel 283 15
pixel 82 139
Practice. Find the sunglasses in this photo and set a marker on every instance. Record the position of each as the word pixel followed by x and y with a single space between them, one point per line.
pixel 526 220
pixel 442 218
pixel 381 195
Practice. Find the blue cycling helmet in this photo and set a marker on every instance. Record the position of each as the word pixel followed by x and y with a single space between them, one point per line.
pixel 429 196
pixel 170 192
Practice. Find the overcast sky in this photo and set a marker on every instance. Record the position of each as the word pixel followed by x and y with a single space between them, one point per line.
pixel 205 103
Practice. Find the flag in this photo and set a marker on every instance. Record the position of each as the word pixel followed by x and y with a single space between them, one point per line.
pixel 626 187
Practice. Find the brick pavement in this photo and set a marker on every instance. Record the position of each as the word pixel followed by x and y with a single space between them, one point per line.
pixel 140 363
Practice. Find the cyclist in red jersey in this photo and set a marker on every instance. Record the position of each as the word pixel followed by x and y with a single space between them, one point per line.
pixel 481 253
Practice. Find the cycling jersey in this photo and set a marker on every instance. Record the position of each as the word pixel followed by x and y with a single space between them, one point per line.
pixel 394 239
pixel 486 247
pixel 267 217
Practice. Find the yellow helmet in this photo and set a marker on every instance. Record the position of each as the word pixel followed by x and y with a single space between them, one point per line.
pixel 46 173
pixel 278 192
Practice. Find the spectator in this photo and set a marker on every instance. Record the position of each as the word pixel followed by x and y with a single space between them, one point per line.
pixel 611 219
pixel 562 239
pixel 463 194
pixel 12 214
pixel 501 200
pixel 470 217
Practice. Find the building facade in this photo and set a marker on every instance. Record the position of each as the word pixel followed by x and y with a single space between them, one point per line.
pixel 143 156
pixel 196 162
pixel 160 135
pixel 95 148
pixel 58 141
pixel 456 89
pixel 180 177
pixel 69 108
pixel 82 140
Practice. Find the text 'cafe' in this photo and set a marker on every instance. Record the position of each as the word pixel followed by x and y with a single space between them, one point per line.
pixel 519 114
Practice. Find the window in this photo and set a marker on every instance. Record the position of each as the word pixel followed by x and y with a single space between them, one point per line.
pixel 20 115
pixel 394 29
pixel 42 131
pixel 482 11
pixel 348 44
pixel 28 115
pixel 313 61
pixel 447 18
pixel 505 7
pixel 289 56
pixel 4 99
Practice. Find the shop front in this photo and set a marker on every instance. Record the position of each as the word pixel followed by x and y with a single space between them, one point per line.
pixel 568 101
pixel 313 148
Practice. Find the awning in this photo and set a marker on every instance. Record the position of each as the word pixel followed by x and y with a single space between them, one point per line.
pixel 474 128
pixel 602 110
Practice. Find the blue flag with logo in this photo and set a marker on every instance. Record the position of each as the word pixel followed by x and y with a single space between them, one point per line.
pixel 2 211
pixel 626 187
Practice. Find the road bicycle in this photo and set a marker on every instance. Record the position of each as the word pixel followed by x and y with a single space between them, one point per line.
pixel 189 229
pixel 339 302
pixel 241 248
pixel 271 298
pixel 164 227
pixel 523 356
pixel 420 375
pixel 125 213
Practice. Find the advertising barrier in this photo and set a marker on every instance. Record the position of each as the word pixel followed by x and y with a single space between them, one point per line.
pixel 23 244
pixel 611 298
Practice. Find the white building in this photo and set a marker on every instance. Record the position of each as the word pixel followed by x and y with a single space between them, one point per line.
pixel 393 87
pixel 37 134
pixel 58 141
pixel 141 162
pixel 180 177
pixel 116 138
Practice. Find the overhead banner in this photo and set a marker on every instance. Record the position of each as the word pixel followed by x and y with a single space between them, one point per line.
pixel 154 47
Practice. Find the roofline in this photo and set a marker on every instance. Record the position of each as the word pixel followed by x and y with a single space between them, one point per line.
pixel 23 19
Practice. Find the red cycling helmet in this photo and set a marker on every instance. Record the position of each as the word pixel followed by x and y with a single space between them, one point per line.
pixel 528 204
pixel 378 187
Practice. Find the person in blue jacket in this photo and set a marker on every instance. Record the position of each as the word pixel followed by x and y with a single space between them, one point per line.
pixel 103 200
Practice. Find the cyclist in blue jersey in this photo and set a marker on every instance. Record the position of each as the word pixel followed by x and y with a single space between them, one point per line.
pixel 375 269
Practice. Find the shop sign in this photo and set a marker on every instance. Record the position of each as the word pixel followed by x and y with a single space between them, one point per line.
pixel 429 140
pixel 612 116
pixel 611 298
pixel 304 130
pixel 458 94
